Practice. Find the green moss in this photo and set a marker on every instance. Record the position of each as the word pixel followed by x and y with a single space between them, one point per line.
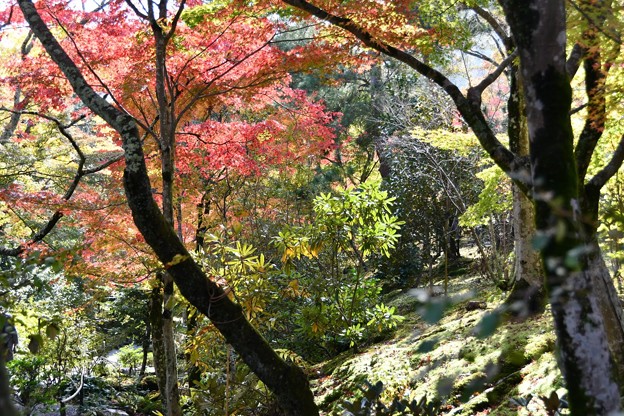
pixel 467 353
pixel 464 371
pixel 539 344
pixel 474 405
pixel 501 392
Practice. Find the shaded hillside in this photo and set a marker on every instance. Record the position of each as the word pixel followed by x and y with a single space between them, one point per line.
pixel 470 375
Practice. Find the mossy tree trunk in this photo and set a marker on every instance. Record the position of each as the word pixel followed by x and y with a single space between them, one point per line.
pixel 602 282
pixel 287 382
pixel 539 29
pixel 527 295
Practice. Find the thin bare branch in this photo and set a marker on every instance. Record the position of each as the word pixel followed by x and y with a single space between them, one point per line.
pixel 474 93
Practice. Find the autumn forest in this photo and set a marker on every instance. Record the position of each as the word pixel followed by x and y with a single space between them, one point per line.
pixel 225 207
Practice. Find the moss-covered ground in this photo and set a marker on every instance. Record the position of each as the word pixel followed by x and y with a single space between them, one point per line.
pixel 452 359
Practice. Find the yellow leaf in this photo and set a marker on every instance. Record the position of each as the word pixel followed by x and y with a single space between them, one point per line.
pixel 315 249
pixel 288 253
pixel 194 356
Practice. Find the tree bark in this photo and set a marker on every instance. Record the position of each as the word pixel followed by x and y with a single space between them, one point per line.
pixel 539 29
pixel 602 283
pixel 287 382
pixel 6 403
pixel 610 306
pixel 158 343
pixel 171 358
pixel 147 337
pixel 527 295
pixel 165 108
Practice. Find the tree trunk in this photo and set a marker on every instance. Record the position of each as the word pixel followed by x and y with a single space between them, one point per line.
pixel 165 107
pixel 527 295
pixel 6 403
pixel 539 28
pixel 171 363
pixel 602 283
pixel 609 304
pixel 287 382
pixel 147 337
pixel 158 343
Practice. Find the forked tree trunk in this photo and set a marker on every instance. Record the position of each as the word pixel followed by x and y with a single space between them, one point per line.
pixel 602 282
pixel 287 382
pixel 539 29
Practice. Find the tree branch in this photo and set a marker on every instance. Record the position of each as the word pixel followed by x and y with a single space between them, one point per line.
pixel 481 56
pixel 607 172
pixel 136 10
pixel 595 79
pixel 494 24
pixel 574 59
pixel 473 115
pixel 474 93
pixel 80 173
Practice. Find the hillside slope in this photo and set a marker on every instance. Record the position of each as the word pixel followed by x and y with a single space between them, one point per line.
pixel 453 361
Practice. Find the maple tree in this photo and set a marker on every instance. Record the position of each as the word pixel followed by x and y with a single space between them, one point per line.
pixel 200 118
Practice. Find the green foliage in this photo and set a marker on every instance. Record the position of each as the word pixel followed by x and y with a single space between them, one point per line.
pixel 433 185
pixel 57 325
pixel 245 273
pixel 494 198
pixel 196 15
pixel 33 380
pixel 356 222
pixel 238 390
pixel 122 316
pixel 248 278
pixel 359 221
pixel 130 356
pixel 326 263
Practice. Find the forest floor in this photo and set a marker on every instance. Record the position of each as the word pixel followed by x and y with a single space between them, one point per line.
pixel 471 360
